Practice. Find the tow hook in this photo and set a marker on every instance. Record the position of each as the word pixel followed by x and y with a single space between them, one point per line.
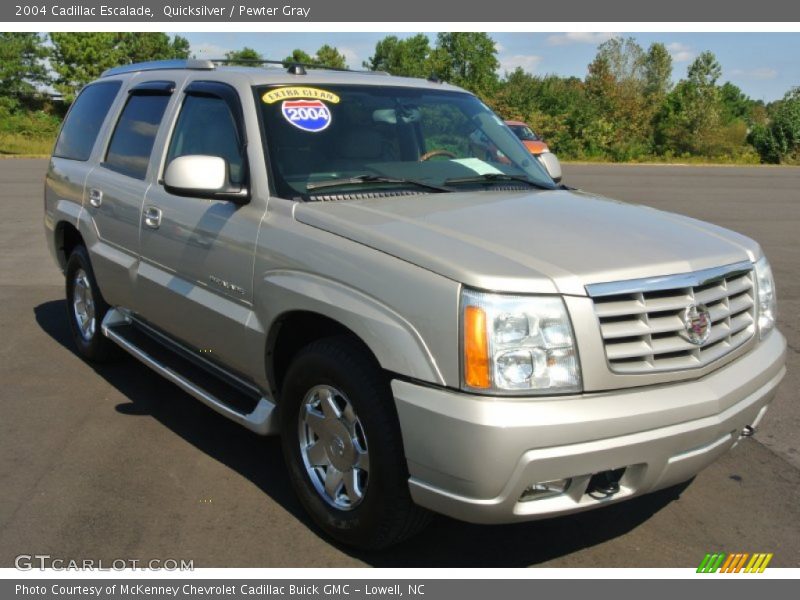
pixel 605 484
pixel 748 431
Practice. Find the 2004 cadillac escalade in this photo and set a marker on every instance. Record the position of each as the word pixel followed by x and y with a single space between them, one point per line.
pixel 378 270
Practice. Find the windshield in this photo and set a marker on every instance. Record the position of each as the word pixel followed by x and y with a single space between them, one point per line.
pixel 524 133
pixel 388 137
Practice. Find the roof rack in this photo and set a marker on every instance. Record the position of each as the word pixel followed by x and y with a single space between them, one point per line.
pixel 294 67
pixel 157 65
pixel 291 65
pixel 247 62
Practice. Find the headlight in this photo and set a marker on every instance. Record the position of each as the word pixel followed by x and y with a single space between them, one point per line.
pixel 767 303
pixel 521 344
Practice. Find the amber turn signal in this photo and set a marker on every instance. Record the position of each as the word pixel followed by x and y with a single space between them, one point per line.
pixel 476 349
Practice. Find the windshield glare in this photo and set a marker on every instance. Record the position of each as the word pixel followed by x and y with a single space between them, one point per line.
pixel 424 135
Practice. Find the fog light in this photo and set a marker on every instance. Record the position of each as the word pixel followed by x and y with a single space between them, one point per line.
pixel 545 489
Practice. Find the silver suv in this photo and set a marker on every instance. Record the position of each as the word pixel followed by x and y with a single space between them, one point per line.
pixel 378 270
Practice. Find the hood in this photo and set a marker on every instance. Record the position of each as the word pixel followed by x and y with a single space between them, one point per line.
pixel 530 242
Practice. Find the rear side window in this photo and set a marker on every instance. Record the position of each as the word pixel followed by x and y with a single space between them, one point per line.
pixel 133 138
pixel 206 126
pixel 84 120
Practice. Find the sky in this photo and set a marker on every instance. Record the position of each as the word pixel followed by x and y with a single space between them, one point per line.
pixel 764 65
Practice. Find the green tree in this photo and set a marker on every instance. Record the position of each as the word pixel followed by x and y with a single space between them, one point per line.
pixel 601 84
pixel 763 141
pixel 329 56
pixel 135 47
pixel 467 59
pixel 407 58
pixel 735 104
pixel 691 121
pixel 180 47
pixel 625 58
pixel 516 98
pixel 78 58
pixel 704 102
pixel 779 141
pixel 326 56
pixel 245 56
pixel 616 88
pixel 384 57
pixel 22 69
pixel 555 107
pixel 298 56
pixel 657 71
pixel 704 71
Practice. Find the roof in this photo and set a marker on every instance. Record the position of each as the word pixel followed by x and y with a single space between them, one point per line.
pixel 273 72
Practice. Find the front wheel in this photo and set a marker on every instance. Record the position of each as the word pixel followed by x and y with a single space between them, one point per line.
pixel 342 444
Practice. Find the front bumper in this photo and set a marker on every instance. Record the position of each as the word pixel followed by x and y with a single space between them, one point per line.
pixel 472 457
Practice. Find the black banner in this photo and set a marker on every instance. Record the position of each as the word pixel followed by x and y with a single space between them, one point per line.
pixel 732 588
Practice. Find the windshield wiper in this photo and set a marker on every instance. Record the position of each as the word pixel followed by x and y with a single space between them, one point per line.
pixel 369 179
pixel 492 178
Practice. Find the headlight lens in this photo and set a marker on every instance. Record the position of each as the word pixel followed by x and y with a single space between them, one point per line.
pixel 521 344
pixel 767 302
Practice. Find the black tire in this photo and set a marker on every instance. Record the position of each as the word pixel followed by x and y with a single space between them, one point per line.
pixel 95 347
pixel 385 514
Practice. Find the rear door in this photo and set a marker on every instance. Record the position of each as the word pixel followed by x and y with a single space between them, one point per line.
pixel 117 186
pixel 72 156
pixel 197 255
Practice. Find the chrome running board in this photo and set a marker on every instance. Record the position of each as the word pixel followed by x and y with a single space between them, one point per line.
pixel 169 360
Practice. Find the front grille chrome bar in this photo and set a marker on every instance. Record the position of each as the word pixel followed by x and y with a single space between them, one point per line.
pixel 643 325
pixel 667 282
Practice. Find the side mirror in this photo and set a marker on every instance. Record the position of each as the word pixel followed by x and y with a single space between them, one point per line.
pixel 552 166
pixel 201 176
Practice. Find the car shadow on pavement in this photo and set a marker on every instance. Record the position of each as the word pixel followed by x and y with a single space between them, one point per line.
pixel 445 543
pixel 257 458
pixel 450 543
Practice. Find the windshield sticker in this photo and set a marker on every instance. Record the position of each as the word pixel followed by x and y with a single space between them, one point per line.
pixel 478 166
pixel 309 115
pixel 291 93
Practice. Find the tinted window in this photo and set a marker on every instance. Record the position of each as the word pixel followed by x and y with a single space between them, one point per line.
pixel 84 120
pixel 524 133
pixel 206 126
pixel 132 142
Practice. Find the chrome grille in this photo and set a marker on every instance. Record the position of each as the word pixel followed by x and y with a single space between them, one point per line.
pixel 642 324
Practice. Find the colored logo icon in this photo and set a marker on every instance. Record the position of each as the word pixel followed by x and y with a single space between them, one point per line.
pixel 309 115
pixel 697 322
pixel 740 562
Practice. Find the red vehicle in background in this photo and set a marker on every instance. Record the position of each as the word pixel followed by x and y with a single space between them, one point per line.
pixel 532 141
pixel 537 147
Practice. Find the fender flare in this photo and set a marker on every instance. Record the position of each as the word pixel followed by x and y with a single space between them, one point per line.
pixel 395 342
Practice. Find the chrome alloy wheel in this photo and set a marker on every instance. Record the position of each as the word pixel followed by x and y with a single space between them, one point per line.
pixel 334 447
pixel 83 305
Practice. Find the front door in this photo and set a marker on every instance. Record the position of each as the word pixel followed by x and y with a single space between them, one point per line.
pixel 197 255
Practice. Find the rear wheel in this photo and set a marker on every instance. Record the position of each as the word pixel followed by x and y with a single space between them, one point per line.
pixel 86 309
pixel 342 443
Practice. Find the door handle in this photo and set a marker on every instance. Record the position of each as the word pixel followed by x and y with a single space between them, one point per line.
pixel 152 217
pixel 95 197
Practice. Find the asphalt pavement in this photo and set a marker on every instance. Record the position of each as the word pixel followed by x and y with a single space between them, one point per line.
pixel 114 462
